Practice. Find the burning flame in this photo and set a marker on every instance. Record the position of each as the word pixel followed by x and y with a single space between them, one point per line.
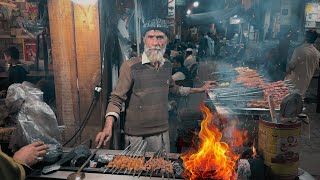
pixel 234 137
pixel 213 159
pixel 254 152
pixel 239 137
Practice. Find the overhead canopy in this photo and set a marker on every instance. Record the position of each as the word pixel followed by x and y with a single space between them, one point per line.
pixel 213 16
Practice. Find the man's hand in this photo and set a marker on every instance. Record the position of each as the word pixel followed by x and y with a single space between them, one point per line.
pixel 32 153
pixel 105 135
pixel 208 85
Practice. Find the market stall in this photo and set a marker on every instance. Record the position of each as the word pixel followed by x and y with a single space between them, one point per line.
pixel 219 144
pixel 115 164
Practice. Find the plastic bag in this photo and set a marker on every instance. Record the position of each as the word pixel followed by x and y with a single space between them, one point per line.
pixel 35 120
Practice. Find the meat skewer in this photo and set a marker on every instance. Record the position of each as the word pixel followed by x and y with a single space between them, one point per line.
pixel 237 95
pixel 139 154
pixel 166 157
pixel 131 156
pixel 226 72
pixel 236 92
pixel 122 153
pixel 156 154
pixel 114 169
pixel 133 160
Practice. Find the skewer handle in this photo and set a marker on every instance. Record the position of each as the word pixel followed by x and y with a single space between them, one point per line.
pixel 272 108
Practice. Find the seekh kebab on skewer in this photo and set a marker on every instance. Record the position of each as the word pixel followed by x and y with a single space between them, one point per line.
pixel 248 85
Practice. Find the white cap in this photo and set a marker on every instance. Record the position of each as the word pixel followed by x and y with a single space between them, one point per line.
pixel 189 49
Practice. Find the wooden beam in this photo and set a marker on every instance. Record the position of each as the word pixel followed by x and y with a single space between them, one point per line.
pixel 76 63
pixel 60 19
pixel 89 63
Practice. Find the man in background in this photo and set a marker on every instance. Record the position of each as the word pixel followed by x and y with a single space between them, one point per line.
pixel 16 73
pixel 190 59
pixel 304 62
pixel 179 72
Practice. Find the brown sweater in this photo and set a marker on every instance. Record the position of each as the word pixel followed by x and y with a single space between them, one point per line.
pixel 145 93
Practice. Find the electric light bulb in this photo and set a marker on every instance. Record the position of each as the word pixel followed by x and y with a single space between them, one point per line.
pixel 85 2
pixel 196 4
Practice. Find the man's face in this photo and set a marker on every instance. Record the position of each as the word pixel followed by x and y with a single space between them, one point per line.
pixel 155 45
pixel 155 39
pixel 176 64
pixel 7 58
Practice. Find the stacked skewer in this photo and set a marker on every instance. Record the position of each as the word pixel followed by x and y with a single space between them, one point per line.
pixel 132 161
pixel 129 160
pixel 159 163
pixel 278 90
pixel 249 89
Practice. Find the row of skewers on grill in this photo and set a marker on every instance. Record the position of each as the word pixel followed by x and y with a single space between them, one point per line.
pixel 132 161
pixel 250 89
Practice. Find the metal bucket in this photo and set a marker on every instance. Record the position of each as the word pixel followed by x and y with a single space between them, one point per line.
pixel 279 145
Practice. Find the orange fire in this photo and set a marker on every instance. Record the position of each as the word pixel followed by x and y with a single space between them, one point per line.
pixel 232 135
pixel 254 152
pixel 213 159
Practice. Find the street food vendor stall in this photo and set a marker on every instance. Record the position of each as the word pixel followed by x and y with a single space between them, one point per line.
pixel 249 127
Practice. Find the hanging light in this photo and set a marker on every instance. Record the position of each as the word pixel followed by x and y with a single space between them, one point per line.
pixel 85 2
pixel 189 11
pixel 196 4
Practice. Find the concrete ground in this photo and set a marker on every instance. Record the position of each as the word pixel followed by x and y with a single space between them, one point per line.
pixel 310 147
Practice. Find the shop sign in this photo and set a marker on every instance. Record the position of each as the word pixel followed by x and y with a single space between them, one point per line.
pixel 171 9
pixel 313 12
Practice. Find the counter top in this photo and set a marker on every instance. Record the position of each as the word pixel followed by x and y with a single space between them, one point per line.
pixel 62 174
pixel 95 176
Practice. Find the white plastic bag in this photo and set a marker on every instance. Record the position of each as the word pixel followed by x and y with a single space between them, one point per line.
pixel 35 120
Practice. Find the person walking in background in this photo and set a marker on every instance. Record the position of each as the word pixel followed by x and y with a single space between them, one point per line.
pixel 210 50
pixel 189 59
pixel 284 45
pixel 179 71
pixel 304 62
pixel 203 46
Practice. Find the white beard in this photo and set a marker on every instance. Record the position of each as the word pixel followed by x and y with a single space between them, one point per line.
pixel 154 54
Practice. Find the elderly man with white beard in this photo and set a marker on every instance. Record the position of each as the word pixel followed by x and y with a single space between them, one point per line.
pixel 144 84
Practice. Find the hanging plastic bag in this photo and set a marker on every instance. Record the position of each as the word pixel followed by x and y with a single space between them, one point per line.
pixel 35 119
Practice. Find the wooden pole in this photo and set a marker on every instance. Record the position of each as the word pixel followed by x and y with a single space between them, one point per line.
pixel 136 22
pixel 70 46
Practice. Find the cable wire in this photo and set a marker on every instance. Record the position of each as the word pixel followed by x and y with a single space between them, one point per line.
pixel 85 120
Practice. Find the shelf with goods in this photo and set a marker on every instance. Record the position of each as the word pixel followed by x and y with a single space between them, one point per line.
pixel 33 50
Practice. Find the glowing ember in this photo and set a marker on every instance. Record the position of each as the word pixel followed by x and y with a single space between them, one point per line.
pixel 213 159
